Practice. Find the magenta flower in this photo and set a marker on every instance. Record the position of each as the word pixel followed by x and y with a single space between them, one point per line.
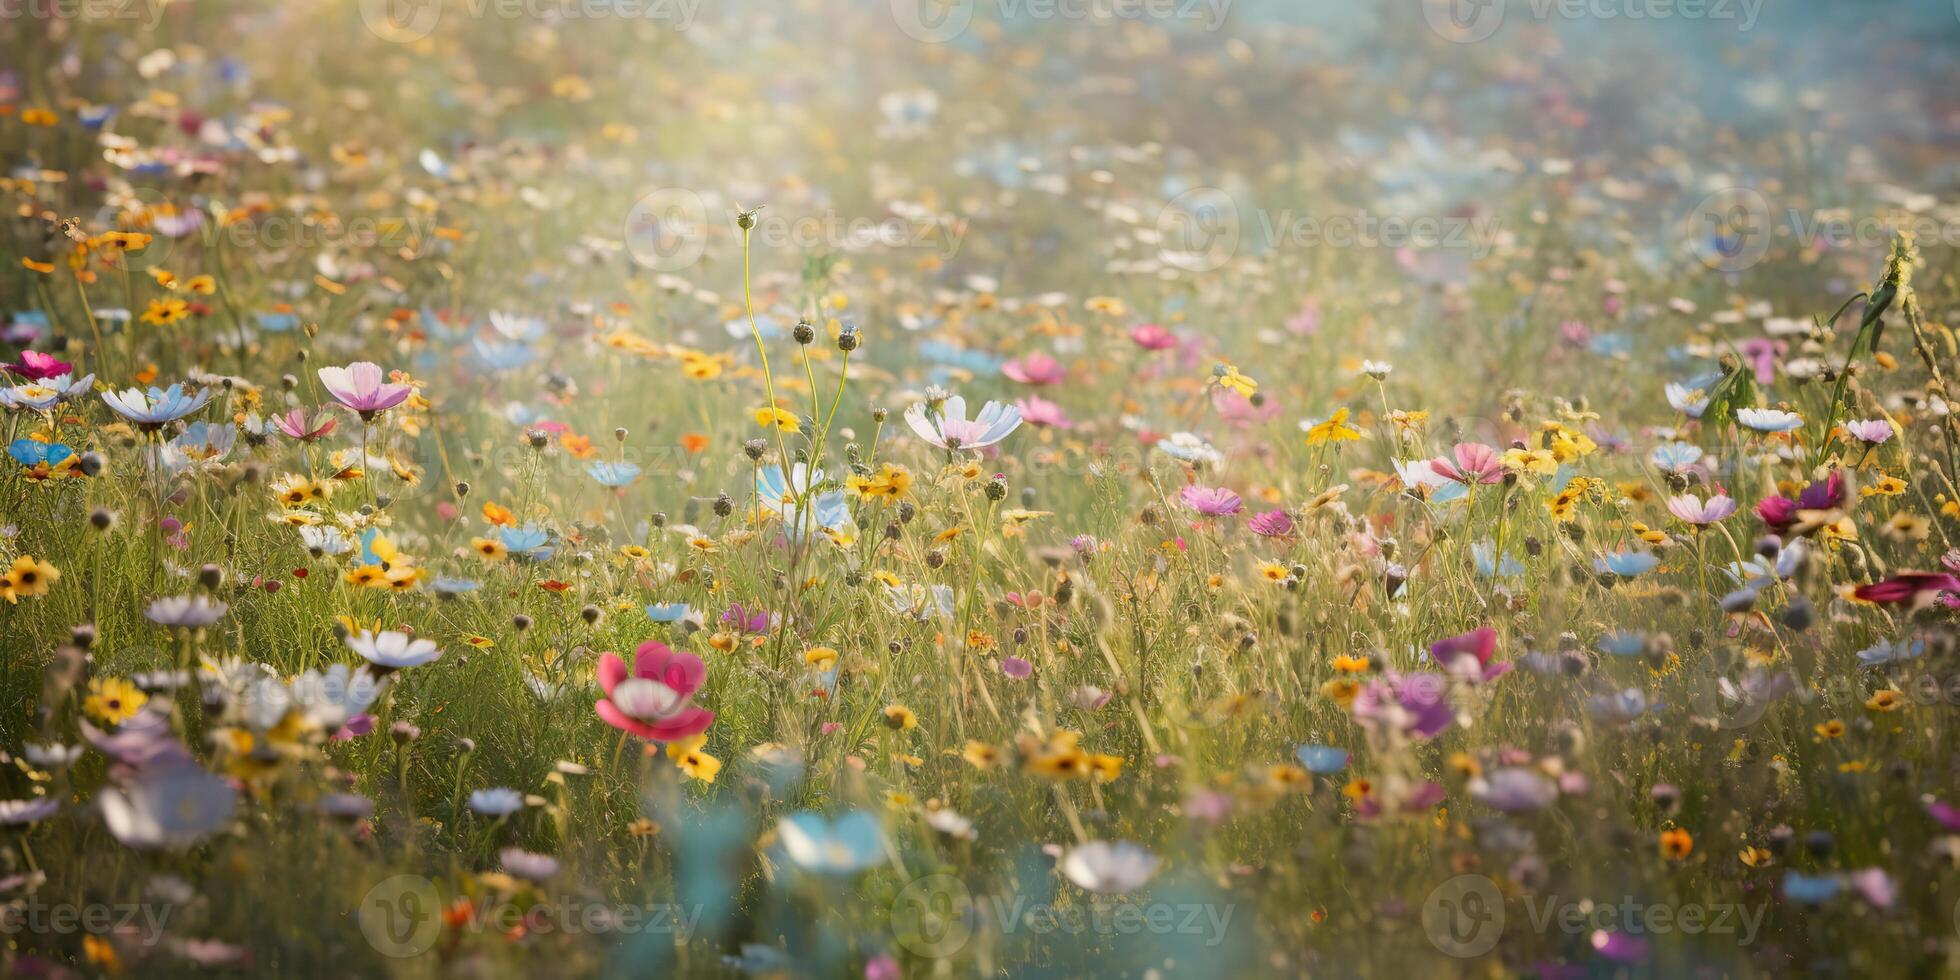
pixel 1480 643
pixel 1913 588
pixel 362 387
pixel 1150 336
pixel 36 366
pixel 1778 513
pixel 656 700
pixel 1271 524
pixel 746 621
pixel 1210 501
pixel 1035 369
pixel 1036 410
pixel 1698 512
pixel 1016 668
pixel 1473 463
pixel 298 425
pixel 1468 655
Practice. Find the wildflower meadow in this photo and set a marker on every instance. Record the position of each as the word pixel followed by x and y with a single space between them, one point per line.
pixel 899 488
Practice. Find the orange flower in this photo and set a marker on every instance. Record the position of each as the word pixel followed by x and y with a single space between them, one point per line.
pixel 1677 844
pixel 694 442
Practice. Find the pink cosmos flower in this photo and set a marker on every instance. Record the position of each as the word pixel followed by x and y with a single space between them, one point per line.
pixel 1869 431
pixel 298 425
pixel 1035 369
pixel 1474 463
pixel 655 701
pixel 1036 410
pixel 36 366
pixel 1210 501
pixel 1271 524
pixel 1150 336
pixel 362 387
pixel 1696 511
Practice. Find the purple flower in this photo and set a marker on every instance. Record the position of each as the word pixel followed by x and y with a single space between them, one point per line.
pixel 1413 704
pixel 1825 494
pixel 745 621
pixel 1016 668
pixel 1210 501
pixel 362 387
pixel 1271 524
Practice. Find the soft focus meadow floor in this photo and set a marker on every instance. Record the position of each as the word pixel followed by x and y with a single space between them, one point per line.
pixel 1142 496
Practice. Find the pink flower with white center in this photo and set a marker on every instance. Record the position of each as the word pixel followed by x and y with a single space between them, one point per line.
pixel 1698 512
pixel 1035 369
pixel 1150 336
pixel 298 425
pixel 656 700
pixel 1036 410
pixel 1210 501
pixel 363 387
pixel 1473 463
